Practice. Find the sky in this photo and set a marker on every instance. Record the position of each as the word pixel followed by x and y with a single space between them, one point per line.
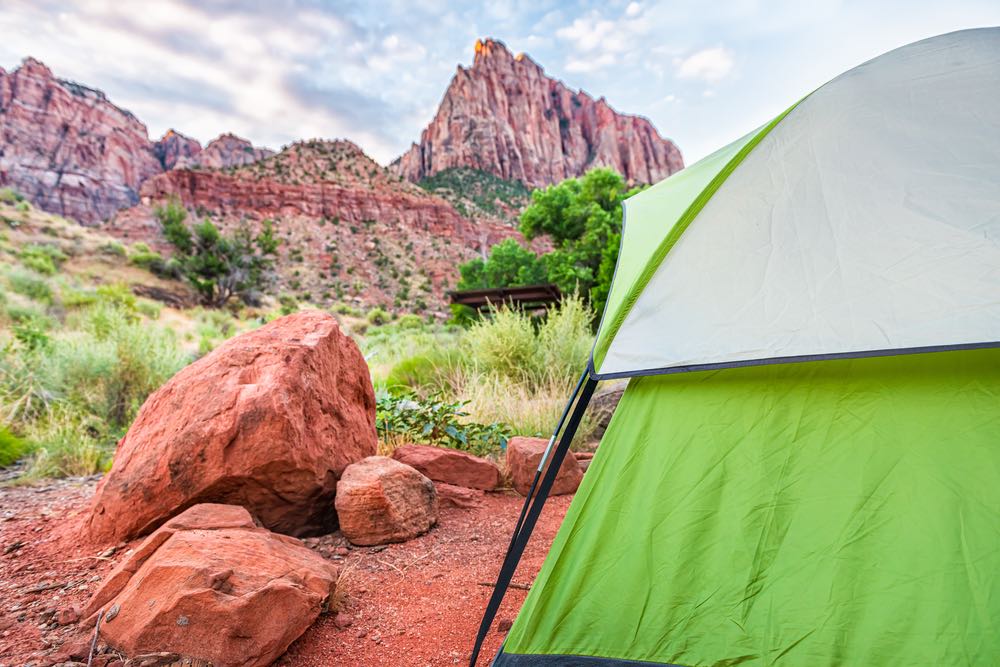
pixel 276 71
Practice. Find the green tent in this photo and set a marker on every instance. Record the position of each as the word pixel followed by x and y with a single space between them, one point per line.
pixel 843 509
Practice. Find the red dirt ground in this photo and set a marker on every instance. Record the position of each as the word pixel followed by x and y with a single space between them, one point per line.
pixel 417 603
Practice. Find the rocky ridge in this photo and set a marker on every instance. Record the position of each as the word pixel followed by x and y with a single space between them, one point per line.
pixel 504 115
pixel 351 230
pixel 73 152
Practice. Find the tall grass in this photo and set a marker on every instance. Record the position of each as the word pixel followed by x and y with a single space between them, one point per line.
pixel 71 393
pixel 510 367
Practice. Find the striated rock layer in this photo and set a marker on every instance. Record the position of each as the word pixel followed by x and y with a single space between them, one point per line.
pixel 72 152
pixel 505 116
pixel 68 148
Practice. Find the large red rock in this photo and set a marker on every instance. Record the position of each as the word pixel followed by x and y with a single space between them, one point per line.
pixel 505 116
pixel 523 457
pixel 269 421
pixel 380 500
pixel 210 585
pixel 173 148
pixel 443 464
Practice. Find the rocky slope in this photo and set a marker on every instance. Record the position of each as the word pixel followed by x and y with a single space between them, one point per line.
pixel 503 115
pixel 72 152
pixel 351 230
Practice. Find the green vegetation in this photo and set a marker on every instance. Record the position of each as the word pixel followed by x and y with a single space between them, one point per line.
pixel 509 373
pixel 435 421
pixel 220 266
pixel 474 193
pixel 583 219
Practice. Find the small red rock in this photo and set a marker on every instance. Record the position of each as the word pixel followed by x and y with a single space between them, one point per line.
pixel 342 620
pixel 459 496
pixel 67 616
pixel 380 500
pixel 504 624
pixel 443 464
pixel 523 457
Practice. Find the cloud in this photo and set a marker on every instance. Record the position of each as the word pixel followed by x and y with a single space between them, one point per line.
pixel 709 65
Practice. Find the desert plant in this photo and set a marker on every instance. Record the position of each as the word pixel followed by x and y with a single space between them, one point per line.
pixel 435 421
pixel 12 447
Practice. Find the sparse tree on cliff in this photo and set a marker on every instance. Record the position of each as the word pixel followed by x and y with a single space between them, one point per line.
pixel 217 265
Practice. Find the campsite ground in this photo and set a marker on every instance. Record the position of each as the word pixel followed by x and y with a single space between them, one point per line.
pixel 417 603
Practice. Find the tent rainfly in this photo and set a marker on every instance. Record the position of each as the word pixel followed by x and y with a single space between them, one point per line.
pixel 840 510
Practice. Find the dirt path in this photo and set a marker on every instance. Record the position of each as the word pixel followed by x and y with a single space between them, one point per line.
pixel 417 603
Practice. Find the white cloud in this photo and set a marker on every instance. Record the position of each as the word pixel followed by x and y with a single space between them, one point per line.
pixel 709 65
pixel 633 9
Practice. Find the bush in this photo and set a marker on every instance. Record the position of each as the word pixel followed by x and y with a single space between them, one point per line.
pixel 12 447
pixel 30 284
pixel 44 259
pixel 504 345
pixel 435 421
pixel 10 196
pixel 424 373
pixel 142 256
pixel 410 321
pixel 377 317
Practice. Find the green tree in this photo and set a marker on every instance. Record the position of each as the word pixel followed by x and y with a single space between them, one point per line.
pixel 509 264
pixel 217 265
pixel 583 218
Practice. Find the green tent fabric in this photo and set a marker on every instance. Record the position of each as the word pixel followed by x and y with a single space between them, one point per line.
pixel 826 513
pixel 840 510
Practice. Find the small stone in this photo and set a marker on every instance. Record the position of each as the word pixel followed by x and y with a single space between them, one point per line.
pixel 504 625
pixel 112 613
pixel 182 621
pixel 342 620
pixel 67 616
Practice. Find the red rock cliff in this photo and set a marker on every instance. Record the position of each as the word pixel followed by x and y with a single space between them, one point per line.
pixel 68 148
pixel 505 116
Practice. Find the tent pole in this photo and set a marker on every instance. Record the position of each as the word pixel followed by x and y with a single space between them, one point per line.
pixel 520 539
pixel 545 457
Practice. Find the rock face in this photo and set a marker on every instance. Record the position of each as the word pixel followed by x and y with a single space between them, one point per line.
pixel 450 466
pixel 69 149
pixel 380 500
pixel 505 116
pixel 211 586
pixel 269 421
pixel 226 151
pixel 174 147
pixel 349 223
pixel 523 457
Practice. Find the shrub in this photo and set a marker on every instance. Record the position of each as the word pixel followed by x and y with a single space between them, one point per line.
pixel 10 196
pixel 114 248
pixel 564 339
pixel 435 421
pixel 142 256
pixel 504 345
pixel 424 373
pixel 410 321
pixel 44 259
pixel 377 317
pixel 30 284
pixel 12 447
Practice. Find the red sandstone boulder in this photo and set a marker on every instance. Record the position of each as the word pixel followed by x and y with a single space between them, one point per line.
pixel 450 466
pixel 269 421
pixel 211 586
pixel 523 457
pixel 380 500
pixel 458 496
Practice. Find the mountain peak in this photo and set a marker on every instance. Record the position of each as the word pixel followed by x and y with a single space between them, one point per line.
pixel 519 124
